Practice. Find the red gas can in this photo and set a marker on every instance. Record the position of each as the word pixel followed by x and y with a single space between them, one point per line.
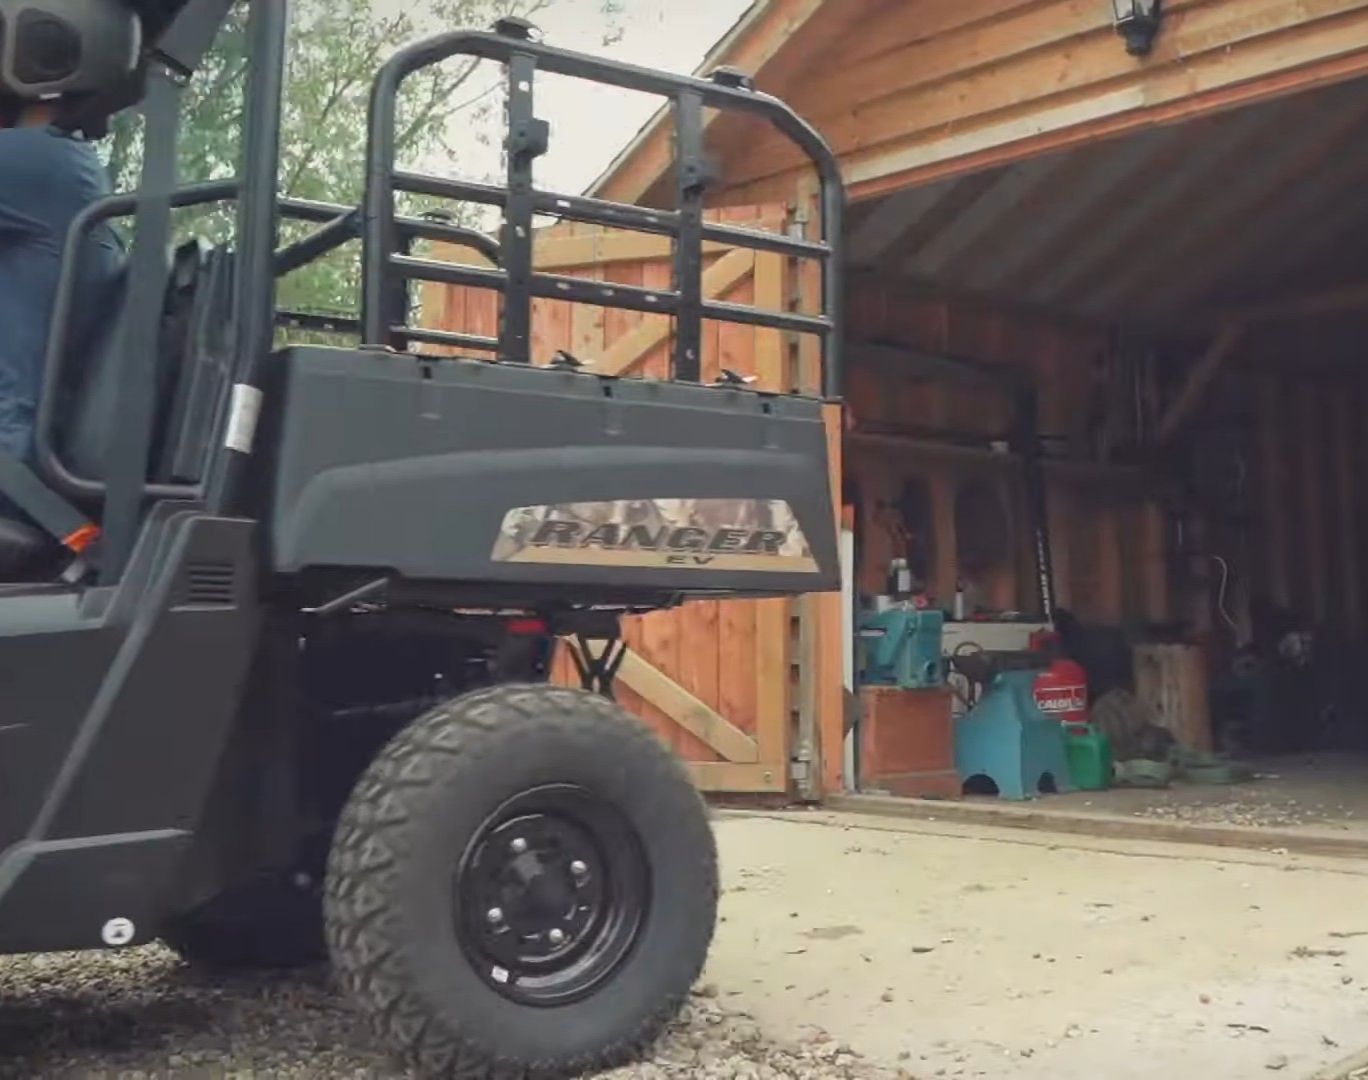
pixel 1061 692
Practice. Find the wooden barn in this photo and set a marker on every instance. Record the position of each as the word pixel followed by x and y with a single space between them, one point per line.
pixel 1143 226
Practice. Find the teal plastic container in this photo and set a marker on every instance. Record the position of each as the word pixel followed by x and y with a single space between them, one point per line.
pixel 902 647
pixel 1008 740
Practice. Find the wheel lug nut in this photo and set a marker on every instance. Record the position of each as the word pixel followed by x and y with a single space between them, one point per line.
pixel 519 846
pixel 556 937
pixel 495 916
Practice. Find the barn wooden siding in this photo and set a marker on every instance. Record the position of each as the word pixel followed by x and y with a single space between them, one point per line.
pixel 910 91
pixel 724 683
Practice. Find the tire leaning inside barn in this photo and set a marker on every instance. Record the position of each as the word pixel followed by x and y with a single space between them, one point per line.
pixel 523 883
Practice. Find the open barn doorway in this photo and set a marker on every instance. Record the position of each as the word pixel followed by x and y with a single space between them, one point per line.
pixel 1189 305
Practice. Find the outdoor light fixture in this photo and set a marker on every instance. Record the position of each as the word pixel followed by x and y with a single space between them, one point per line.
pixel 1137 21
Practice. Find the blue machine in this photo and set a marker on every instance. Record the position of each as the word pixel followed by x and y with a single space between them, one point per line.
pixel 1004 736
pixel 902 647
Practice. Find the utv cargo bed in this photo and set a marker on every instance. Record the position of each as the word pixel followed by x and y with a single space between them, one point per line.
pixel 465 471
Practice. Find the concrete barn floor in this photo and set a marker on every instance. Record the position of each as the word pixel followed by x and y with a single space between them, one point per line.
pixel 1321 791
pixel 963 950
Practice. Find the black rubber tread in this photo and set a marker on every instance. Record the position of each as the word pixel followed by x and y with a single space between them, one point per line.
pixel 387 897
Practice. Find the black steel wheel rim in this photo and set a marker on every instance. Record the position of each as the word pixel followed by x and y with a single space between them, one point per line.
pixel 551 895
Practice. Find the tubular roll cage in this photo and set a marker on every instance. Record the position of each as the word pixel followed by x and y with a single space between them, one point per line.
pixel 388 267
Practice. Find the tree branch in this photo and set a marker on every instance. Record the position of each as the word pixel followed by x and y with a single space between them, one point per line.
pixel 340 89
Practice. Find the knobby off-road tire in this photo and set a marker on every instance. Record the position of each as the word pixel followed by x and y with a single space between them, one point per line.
pixel 420 818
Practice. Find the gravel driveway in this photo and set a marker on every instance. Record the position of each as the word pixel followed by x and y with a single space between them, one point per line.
pixel 141 1014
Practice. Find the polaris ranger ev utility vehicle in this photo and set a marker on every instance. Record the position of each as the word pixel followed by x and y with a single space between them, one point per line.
pixel 275 623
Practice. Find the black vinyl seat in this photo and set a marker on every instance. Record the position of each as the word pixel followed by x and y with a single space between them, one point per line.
pixel 26 553
pixel 191 373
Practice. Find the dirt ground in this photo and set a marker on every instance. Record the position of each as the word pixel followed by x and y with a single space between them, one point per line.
pixel 966 951
pixel 852 948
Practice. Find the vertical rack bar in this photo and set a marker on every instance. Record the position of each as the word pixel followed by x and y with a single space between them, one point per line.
pixel 691 176
pixel 397 299
pixel 833 287
pixel 527 138
pixel 380 234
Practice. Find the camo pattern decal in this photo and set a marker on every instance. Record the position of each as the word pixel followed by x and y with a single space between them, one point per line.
pixel 699 534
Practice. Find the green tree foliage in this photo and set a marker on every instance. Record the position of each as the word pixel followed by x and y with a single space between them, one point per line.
pixel 336 46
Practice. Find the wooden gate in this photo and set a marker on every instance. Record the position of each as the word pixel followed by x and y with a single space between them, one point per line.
pixel 712 678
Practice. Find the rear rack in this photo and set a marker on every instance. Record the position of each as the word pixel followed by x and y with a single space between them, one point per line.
pixel 388 265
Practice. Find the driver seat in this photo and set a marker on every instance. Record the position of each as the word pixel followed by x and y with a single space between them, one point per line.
pixel 26 553
pixel 87 416
pixel 191 372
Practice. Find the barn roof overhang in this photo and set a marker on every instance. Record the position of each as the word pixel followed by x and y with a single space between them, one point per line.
pixel 772 42
pixel 1169 222
pixel 1170 226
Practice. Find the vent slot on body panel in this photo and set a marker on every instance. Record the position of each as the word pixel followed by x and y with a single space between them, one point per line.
pixel 208 584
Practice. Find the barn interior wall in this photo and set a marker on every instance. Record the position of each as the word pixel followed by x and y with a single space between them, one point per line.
pixel 1100 521
pixel 1291 437
pixel 1255 501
